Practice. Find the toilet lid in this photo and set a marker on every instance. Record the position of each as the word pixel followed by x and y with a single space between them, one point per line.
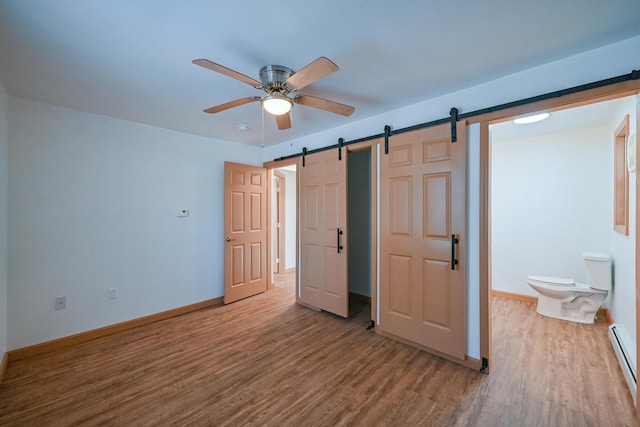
pixel 560 281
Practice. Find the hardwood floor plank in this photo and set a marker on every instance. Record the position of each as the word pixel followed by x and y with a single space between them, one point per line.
pixel 266 361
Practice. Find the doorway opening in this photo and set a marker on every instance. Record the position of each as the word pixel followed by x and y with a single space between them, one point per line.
pixel 283 226
pixel 552 198
pixel 354 227
pixel 359 208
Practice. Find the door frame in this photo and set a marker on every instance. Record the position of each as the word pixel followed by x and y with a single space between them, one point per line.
pixel 280 208
pixel 365 145
pixel 372 145
pixel 270 167
pixel 605 93
pixel 246 235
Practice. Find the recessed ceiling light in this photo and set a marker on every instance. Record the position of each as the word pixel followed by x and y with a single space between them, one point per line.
pixel 530 119
pixel 242 127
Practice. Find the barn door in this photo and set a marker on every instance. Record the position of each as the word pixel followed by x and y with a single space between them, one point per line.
pixel 323 234
pixel 422 239
pixel 245 230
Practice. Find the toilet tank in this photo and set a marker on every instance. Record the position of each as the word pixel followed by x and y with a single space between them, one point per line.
pixel 598 270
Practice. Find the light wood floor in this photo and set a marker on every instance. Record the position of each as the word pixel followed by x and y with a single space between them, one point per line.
pixel 267 361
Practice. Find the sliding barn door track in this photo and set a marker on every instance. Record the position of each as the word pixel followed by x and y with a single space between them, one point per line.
pixel 454 116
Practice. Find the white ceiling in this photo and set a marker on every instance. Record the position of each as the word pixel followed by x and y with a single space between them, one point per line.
pixel 132 59
pixel 584 117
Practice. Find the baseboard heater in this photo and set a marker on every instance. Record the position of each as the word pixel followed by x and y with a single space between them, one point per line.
pixel 626 358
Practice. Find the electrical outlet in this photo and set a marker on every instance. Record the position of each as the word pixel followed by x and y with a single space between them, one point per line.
pixel 112 293
pixel 60 303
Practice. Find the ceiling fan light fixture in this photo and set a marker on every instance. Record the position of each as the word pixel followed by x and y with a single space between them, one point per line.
pixel 277 104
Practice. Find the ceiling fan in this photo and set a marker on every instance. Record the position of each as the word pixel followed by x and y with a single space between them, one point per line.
pixel 279 82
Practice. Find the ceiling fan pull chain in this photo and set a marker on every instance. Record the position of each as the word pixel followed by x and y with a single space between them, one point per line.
pixel 340 145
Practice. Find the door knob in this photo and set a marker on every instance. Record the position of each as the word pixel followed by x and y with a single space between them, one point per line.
pixel 228 239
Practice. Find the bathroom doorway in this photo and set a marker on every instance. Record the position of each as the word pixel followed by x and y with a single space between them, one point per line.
pixel 552 198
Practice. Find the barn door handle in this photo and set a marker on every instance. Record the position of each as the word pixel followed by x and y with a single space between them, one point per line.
pixel 340 247
pixel 454 242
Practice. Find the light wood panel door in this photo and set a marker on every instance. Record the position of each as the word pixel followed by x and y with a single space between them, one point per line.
pixel 323 233
pixel 422 239
pixel 245 229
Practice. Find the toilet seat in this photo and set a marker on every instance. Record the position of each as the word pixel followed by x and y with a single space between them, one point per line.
pixel 557 289
pixel 557 285
pixel 549 280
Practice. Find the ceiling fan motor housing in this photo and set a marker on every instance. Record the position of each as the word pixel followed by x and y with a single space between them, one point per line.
pixel 273 77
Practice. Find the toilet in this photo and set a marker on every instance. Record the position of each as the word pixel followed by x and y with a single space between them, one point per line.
pixel 576 302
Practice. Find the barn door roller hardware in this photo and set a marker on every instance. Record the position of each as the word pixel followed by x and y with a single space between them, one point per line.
pixel 454 121
pixel 340 145
pixel 387 134
pixel 304 153
pixel 455 114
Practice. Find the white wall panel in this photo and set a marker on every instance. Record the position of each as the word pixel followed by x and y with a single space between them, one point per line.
pixel 92 205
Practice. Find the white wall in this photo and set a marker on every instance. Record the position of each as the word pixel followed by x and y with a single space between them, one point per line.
pixel 4 124
pixel 473 241
pixel 623 250
pixel 550 201
pixel 616 59
pixel 613 60
pixel 92 204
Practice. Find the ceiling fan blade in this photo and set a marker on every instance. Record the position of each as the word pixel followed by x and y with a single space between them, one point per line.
pixel 284 121
pixel 325 104
pixel 318 69
pixel 227 72
pixel 231 104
